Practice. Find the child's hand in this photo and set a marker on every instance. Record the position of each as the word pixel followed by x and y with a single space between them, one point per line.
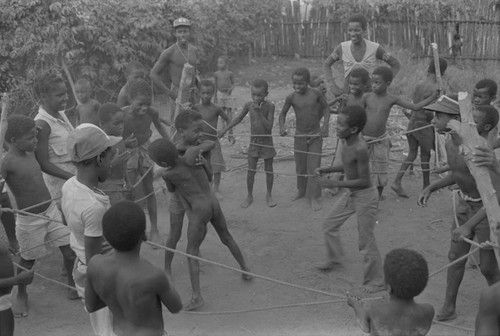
pixel 461 232
pixel 121 158
pixel 353 300
pixel 200 160
pixel 423 197
pixel 319 171
pixel 131 141
pixel 25 277
pixel 221 133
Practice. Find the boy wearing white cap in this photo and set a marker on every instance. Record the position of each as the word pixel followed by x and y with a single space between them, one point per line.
pixel 84 205
pixel 468 203
pixel 173 59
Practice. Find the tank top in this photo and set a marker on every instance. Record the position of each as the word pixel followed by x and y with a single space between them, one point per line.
pixel 369 61
pixel 59 131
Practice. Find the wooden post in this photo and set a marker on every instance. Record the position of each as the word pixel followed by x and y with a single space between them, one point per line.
pixel 439 150
pixel 3 121
pixel 72 85
pixel 466 129
pixel 184 88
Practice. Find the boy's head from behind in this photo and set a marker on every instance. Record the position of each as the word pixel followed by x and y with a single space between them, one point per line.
pixel 259 91
pixel 189 125
pixel 406 273
pixel 124 226
pixel 83 90
pixel 443 65
pixel 351 121
pixel 111 119
pixel 21 133
pixel 207 90
pixel 301 78
pixel 381 79
pixel 485 92
pixel 50 89
pixel 222 63
pixel 140 94
pixel 163 153
pixel 358 80
pixel 135 70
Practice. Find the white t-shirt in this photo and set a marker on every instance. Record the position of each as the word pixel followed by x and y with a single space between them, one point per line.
pixel 83 209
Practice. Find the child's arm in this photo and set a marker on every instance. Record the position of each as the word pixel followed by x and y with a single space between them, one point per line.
pixel 362 314
pixel 465 230
pixel 122 99
pixel 23 278
pixel 236 120
pixel 337 99
pixel 167 293
pixel 157 71
pixel 216 82
pixel 328 170
pixel 92 301
pixel 92 219
pixel 42 153
pixel 223 115
pixel 284 111
pixel 326 114
pixel 231 79
pixel 327 70
pixel 158 124
pixel 417 106
pixel 448 180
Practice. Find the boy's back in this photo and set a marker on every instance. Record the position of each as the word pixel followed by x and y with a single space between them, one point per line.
pixel 399 318
pixel 424 90
pixel 133 289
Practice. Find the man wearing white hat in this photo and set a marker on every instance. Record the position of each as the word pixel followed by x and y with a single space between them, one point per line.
pixel 172 60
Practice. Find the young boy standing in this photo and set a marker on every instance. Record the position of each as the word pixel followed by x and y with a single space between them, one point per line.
pixel 423 139
pixel 361 200
pixel 210 114
pixel 24 178
pixel 129 285
pixel 378 104
pixel 467 199
pixel 87 110
pixel 261 123
pixel 310 107
pixel 84 205
pixel 224 85
pixel 202 206
pixel 406 275
pixel 139 117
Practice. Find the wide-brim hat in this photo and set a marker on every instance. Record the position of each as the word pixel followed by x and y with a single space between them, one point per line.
pixel 444 105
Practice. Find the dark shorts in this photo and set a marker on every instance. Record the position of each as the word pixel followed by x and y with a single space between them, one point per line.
pixel 425 137
pixel 464 211
pixel 262 148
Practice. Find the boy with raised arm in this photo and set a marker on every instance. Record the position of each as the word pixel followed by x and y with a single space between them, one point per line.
pixel 88 109
pixel 9 279
pixel 467 199
pixel 361 199
pixel 310 107
pixel 423 139
pixel 192 184
pixel 224 85
pixel 378 105
pixel 24 178
pixel 210 114
pixel 139 117
pixel 406 274
pixel 261 123
pixel 130 286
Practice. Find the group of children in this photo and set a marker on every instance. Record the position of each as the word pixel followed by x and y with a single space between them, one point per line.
pixel 111 149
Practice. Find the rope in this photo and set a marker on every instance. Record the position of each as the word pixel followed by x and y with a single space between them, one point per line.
pixel 44 277
pixel 243 311
pixel 453 326
pixel 145 197
pixel 396 135
pixel 317 291
pixel 25 213
pixel 454 262
pixel 142 177
pixel 41 203
pixel 262 171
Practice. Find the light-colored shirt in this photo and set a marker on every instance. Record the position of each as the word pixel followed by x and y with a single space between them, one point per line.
pixel 369 61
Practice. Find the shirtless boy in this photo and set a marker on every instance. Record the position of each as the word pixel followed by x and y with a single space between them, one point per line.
pixel 210 114
pixel 485 93
pixel 133 71
pixel 467 199
pixel 406 275
pixel 138 119
pixel 24 178
pixel 261 123
pixel 7 280
pixel 129 285
pixel 224 85
pixel 358 83
pixel 202 206
pixel 310 107
pixel 378 104
pixel 172 60
pixel 87 111
pixel 423 139
pixel 361 200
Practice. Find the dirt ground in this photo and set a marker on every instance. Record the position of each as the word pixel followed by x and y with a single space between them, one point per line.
pixel 281 243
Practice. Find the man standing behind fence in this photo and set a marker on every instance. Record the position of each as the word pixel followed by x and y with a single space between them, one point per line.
pixel 358 52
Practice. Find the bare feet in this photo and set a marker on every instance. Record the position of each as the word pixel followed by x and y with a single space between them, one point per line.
pixel 446 315
pixel 246 277
pixel 315 205
pixel 368 289
pixel 72 294
pixel 20 308
pixel 247 202
pixel 326 266
pixel 194 304
pixel 13 246
pixel 298 196
pixel 398 189
pixel 270 202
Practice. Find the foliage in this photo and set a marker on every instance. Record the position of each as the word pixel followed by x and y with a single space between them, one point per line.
pixel 96 39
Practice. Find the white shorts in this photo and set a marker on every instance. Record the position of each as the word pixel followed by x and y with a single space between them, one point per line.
pixel 54 184
pixel 32 231
pixel 5 302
